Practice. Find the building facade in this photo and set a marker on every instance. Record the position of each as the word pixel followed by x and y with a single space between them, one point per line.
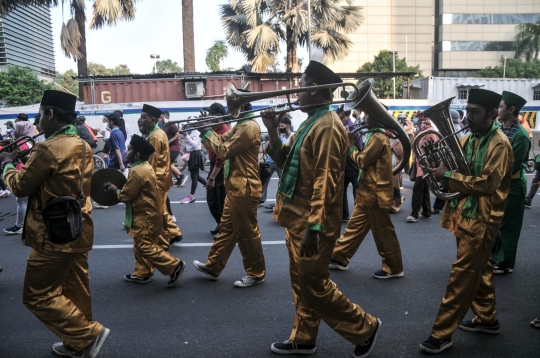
pixel 447 38
pixel 26 41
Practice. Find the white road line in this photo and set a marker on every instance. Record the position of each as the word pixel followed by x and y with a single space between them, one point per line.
pixel 193 244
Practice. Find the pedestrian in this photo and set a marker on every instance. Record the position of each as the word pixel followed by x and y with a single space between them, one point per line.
pixel 535 183
pixel 117 145
pixel 421 198
pixel 173 135
pixel 161 163
pixel 56 284
pixel 373 202
pixel 309 206
pixel 83 132
pixel 239 147
pixel 525 124
pixel 505 248
pixel 474 219
pixel 143 218
pixel 9 130
pixel 195 163
pixel 215 186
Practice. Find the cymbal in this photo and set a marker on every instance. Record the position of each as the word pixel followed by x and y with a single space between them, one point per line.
pixel 99 181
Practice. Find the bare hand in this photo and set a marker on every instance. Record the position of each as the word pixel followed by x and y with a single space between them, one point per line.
pixel 352 138
pixel 9 157
pixel 270 119
pixel 309 245
pixel 439 172
pixel 111 188
pixel 210 184
pixel 122 168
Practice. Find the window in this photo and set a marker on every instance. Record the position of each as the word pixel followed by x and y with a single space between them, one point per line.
pixel 536 95
pixel 489 19
pixel 475 46
pixel 463 93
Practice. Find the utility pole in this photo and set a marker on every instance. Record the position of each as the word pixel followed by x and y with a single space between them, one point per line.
pixel 394 53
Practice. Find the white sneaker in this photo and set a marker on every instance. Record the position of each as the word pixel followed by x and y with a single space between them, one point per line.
pixel 173 219
pixel 247 281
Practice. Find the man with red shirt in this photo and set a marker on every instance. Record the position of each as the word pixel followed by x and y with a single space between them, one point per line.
pixel 215 190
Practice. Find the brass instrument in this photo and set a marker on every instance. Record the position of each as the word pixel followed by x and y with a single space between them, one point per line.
pixel 446 150
pixel 370 104
pixel 11 145
pixel 236 99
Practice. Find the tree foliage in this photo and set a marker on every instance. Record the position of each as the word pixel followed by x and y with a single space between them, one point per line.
pixel 256 28
pixel 215 54
pixel 97 69
pixel 65 81
pixel 167 66
pixel 20 87
pixel 515 68
pixel 383 62
pixel 528 41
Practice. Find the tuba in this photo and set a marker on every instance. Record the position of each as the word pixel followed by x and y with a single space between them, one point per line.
pixel 370 104
pixel 446 150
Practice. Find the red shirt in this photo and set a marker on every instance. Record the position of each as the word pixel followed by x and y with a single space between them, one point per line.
pixel 171 130
pixel 218 162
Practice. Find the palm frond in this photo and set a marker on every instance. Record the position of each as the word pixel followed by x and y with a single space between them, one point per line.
pixel 70 39
pixel 109 12
pixel 6 6
pixel 262 39
pixel 335 45
pixel 352 18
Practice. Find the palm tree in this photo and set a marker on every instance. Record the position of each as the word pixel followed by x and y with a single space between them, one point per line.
pixel 256 28
pixel 215 54
pixel 73 35
pixel 528 41
pixel 188 36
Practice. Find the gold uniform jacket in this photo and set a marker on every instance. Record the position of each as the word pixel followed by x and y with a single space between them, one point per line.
pixel 140 191
pixel 240 145
pixel 161 159
pixel 317 201
pixel 53 170
pixel 375 185
pixel 491 188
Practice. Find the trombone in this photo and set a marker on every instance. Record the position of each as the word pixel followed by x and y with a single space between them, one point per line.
pixel 236 99
pixel 11 145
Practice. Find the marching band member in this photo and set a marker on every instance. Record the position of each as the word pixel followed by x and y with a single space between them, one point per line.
pixel 143 216
pixel 373 202
pixel 309 206
pixel 505 249
pixel 56 286
pixel 474 220
pixel 239 147
pixel 161 163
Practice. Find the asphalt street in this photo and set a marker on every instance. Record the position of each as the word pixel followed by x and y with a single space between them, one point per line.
pixel 202 318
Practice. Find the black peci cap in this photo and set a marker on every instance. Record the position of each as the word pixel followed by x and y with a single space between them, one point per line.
pixel 151 110
pixel 485 98
pixel 60 100
pixel 141 145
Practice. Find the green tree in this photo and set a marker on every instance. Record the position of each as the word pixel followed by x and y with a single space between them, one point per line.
pixel 167 66
pixel 383 62
pixel 64 81
pixel 515 68
pixel 215 54
pixel 256 28
pixel 97 69
pixel 528 41
pixel 121 70
pixel 20 87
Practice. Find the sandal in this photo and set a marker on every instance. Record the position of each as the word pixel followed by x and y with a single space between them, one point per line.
pixel 535 323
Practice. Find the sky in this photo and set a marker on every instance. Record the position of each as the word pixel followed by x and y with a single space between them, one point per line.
pixel 157 29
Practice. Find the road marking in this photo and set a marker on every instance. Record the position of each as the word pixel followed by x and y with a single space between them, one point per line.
pixel 192 244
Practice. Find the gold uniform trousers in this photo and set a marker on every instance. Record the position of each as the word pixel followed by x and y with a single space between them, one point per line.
pixel 57 291
pixel 148 254
pixel 470 286
pixel 239 225
pixel 363 219
pixel 169 229
pixel 316 296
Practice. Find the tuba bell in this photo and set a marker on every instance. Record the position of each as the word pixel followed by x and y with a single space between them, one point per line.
pixel 446 150
pixel 369 103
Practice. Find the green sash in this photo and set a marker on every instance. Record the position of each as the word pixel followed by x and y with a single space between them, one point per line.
pixel 470 209
pixel 287 183
pixel 227 166
pixel 152 131
pixel 68 130
pixel 129 208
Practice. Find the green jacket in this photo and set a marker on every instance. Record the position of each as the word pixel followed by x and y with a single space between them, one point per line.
pixel 521 145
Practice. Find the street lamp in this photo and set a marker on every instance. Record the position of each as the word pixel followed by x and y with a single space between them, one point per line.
pixel 504 67
pixel 155 57
pixel 394 53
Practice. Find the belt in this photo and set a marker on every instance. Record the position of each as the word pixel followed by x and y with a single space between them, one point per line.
pixel 516 175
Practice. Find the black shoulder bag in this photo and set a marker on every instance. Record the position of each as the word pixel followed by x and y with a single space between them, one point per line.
pixel 63 215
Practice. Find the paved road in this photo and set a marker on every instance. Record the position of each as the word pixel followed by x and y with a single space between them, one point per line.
pixel 202 318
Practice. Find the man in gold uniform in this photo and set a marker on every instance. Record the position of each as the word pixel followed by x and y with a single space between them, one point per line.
pixel 309 205
pixel 161 162
pixel 56 286
pixel 143 217
pixel 372 206
pixel 474 219
pixel 239 147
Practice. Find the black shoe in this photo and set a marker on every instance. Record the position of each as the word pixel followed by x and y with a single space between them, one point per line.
pixel 470 326
pixel 215 230
pixel 433 345
pixel 175 276
pixel 14 230
pixel 288 347
pixel 384 275
pixel 176 239
pixel 136 279
pixel 528 203
pixel 202 268
pixel 364 349
pixel 501 270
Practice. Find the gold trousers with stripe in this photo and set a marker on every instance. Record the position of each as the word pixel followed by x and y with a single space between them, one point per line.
pixel 169 229
pixel 57 291
pixel 316 297
pixel 377 220
pixel 238 225
pixel 148 254
pixel 470 286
